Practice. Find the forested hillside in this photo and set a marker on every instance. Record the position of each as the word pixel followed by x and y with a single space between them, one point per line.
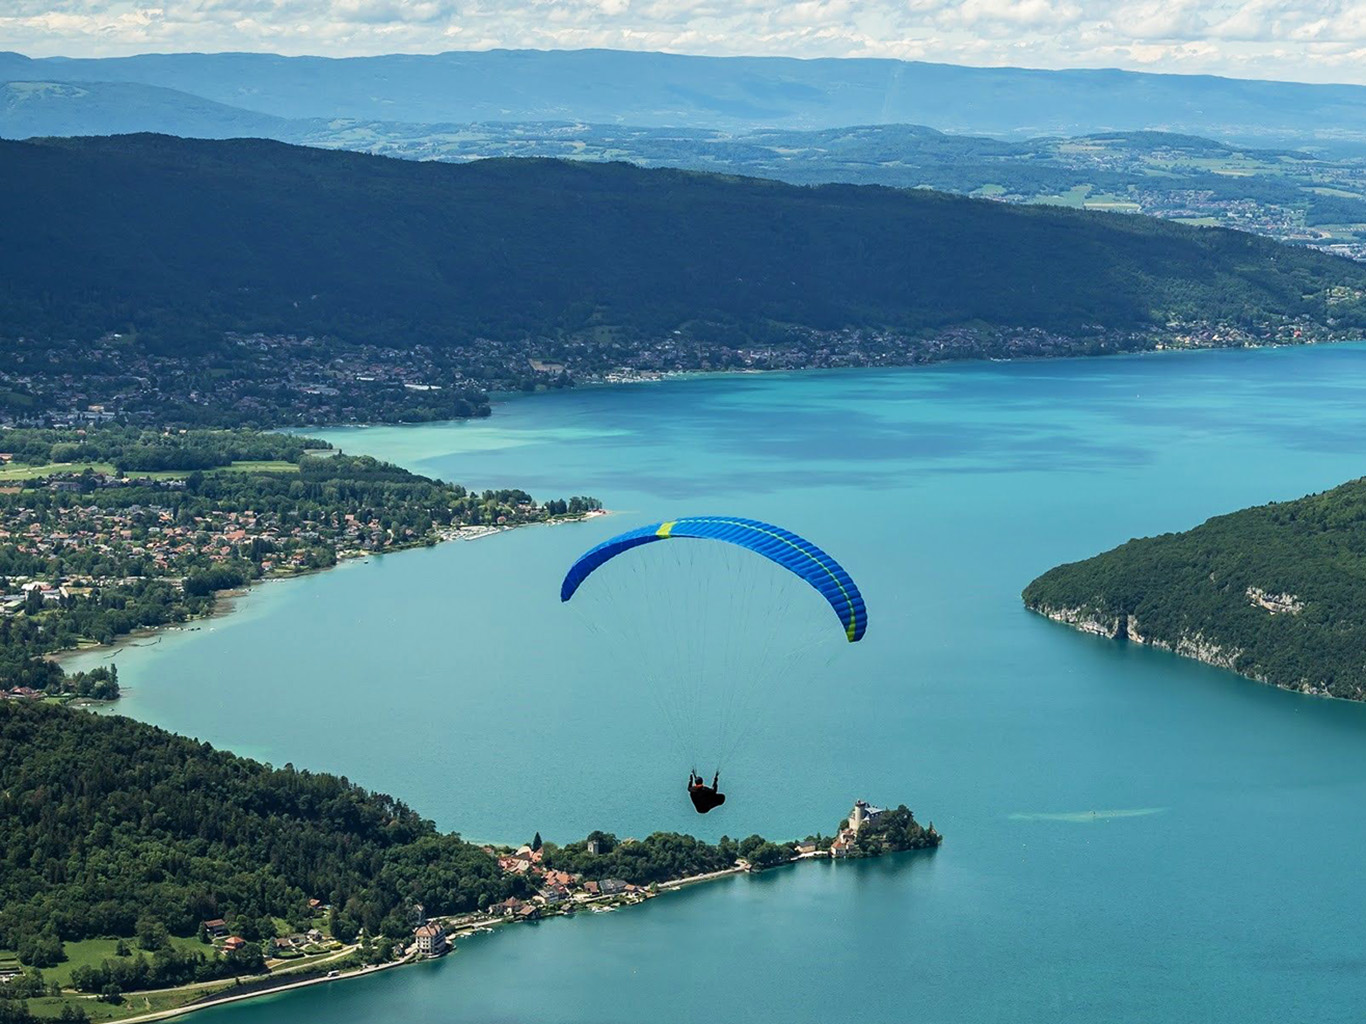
pixel 1276 592
pixel 106 822
pixel 178 240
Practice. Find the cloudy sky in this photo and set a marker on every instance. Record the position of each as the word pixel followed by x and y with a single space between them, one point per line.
pixel 1306 40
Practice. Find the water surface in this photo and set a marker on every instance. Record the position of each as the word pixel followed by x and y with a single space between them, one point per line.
pixel 1131 837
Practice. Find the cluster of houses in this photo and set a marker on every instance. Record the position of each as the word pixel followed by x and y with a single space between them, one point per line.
pixel 21 693
pixel 220 935
pixel 154 533
pixel 558 890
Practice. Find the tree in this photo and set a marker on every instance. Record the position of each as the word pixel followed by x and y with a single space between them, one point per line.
pixel 536 841
pixel 151 933
pixel 769 855
pixel 43 949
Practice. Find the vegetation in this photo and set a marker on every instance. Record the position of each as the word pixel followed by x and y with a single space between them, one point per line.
pixel 581 262
pixel 893 831
pixel 109 827
pixel 1276 592
pixel 1267 191
pixel 657 858
pixel 132 450
pixel 166 968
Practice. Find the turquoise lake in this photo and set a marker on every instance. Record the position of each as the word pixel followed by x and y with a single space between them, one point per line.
pixel 1130 837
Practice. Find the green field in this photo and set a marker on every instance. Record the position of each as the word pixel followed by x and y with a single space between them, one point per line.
pixel 31 472
pixel 16 473
pixel 271 466
pixel 1074 197
pixel 91 952
pixel 133 1005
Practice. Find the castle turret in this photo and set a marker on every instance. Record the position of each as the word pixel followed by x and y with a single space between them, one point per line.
pixel 856 816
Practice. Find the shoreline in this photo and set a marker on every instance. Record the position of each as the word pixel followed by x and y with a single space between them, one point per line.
pixel 1202 653
pixel 461 928
pixel 225 601
pixel 238 997
pixel 1157 350
pixel 461 931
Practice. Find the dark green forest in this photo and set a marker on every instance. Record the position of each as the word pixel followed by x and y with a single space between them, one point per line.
pixel 177 240
pixel 109 827
pixel 1305 558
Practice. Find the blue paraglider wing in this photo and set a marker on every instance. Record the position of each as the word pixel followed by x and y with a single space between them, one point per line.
pixel 794 553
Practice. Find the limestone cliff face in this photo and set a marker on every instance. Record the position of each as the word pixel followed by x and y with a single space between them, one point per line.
pixel 1083 619
pixel 1197 646
pixel 1126 627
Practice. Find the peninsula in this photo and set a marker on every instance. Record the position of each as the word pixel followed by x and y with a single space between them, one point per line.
pixel 106 529
pixel 1275 593
pixel 249 879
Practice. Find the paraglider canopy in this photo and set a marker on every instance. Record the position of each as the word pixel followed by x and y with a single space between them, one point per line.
pixel 782 547
pixel 711 633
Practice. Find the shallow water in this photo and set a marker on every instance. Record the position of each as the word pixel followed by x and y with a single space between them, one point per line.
pixel 1130 836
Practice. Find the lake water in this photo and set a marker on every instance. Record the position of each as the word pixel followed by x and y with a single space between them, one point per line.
pixel 1129 836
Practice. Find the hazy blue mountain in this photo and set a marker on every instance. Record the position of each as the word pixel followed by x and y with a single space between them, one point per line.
pixel 654 89
pixel 118 108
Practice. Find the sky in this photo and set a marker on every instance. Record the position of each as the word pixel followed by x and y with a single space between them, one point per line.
pixel 1300 40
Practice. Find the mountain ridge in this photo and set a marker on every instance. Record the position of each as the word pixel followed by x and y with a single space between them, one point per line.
pixel 252 234
pixel 658 89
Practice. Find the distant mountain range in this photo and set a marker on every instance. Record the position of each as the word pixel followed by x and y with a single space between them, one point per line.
pixel 655 89
pixel 1288 195
pixel 178 237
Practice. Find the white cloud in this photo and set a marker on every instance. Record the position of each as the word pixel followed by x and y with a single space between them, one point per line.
pixel 1309 40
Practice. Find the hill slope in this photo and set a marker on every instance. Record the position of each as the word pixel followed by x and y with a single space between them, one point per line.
pixel 115 108
pixel 1277 593
pixel 106 821
pixel 640 88
pixel 185 235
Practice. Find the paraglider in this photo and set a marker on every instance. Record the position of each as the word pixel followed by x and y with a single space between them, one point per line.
pixel 704 798
pixel 710 629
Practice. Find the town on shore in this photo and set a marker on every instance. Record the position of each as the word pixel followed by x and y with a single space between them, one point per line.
pixel 242 957
pixel 112 529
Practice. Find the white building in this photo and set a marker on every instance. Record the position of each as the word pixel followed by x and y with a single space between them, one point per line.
pixel 431 939
pixel 864 813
